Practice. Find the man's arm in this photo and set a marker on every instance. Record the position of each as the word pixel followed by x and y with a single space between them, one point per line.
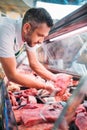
pixel 9 66
pixel 38 67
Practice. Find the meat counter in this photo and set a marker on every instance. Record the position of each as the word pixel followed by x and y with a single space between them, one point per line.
pixel 32 109
pixel 65 53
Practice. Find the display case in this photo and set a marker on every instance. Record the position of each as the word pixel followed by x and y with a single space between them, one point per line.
pixel 65 48
pixel 63 51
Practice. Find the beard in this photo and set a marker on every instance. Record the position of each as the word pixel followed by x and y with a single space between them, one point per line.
pixel 29 42
pixel 28 38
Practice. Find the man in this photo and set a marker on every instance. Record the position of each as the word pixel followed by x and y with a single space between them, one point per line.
pixel 36 25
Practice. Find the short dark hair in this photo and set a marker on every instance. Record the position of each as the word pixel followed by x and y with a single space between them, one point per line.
pixel 38 15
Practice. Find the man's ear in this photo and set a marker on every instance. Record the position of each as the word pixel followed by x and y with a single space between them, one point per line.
pixel 26 27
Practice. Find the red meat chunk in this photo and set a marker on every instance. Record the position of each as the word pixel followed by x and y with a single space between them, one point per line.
pixel 81 121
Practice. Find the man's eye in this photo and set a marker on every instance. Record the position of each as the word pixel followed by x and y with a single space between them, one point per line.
pixel 40 35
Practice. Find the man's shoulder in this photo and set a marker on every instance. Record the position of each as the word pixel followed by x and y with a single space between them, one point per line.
pixel 7 20
pixel 7 23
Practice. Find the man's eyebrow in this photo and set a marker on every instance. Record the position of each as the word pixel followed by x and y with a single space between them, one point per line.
pixel 40 34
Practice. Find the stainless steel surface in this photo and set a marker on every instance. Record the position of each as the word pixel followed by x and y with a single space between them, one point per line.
pixel 71 22
pixel 7 119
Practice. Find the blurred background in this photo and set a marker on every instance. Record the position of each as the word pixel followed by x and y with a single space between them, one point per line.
pixel 16 8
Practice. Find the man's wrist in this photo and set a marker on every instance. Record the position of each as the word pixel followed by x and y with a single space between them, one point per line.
pixel 53 78
pixel 44 86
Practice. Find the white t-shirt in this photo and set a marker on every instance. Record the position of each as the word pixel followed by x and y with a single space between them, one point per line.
pixel 10 37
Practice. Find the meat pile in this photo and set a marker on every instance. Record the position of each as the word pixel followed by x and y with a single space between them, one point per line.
pixel 33 115
pixel 81 117
pixel 30 113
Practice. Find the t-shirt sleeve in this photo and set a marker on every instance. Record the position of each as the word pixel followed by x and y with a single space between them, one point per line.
pixel 7 33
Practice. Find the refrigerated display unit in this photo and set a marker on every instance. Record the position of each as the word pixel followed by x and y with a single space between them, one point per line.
pixel 65 52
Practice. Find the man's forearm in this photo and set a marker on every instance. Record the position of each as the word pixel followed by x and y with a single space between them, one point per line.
pixel 27 80
pixel 43 72
pixel 30 81
pixel 38 67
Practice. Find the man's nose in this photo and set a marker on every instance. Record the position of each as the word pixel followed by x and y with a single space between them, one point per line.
pixel 41 40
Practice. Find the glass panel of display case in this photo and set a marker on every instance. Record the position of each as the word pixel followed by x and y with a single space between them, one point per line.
pixel 67 52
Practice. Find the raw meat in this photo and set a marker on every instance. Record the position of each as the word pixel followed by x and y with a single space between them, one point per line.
pixel 32 116
pixel 81 121
pixel 63 81
pixel 42 126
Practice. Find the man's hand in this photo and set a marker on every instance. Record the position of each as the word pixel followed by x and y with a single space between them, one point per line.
pixel 63 76
pixel 51 88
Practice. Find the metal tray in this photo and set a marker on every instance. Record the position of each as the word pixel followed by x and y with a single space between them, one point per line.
pixel 7 119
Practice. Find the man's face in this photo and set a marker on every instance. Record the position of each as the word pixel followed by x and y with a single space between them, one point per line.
pixel 36 36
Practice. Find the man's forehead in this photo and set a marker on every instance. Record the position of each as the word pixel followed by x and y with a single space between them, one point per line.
pixel 41 25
